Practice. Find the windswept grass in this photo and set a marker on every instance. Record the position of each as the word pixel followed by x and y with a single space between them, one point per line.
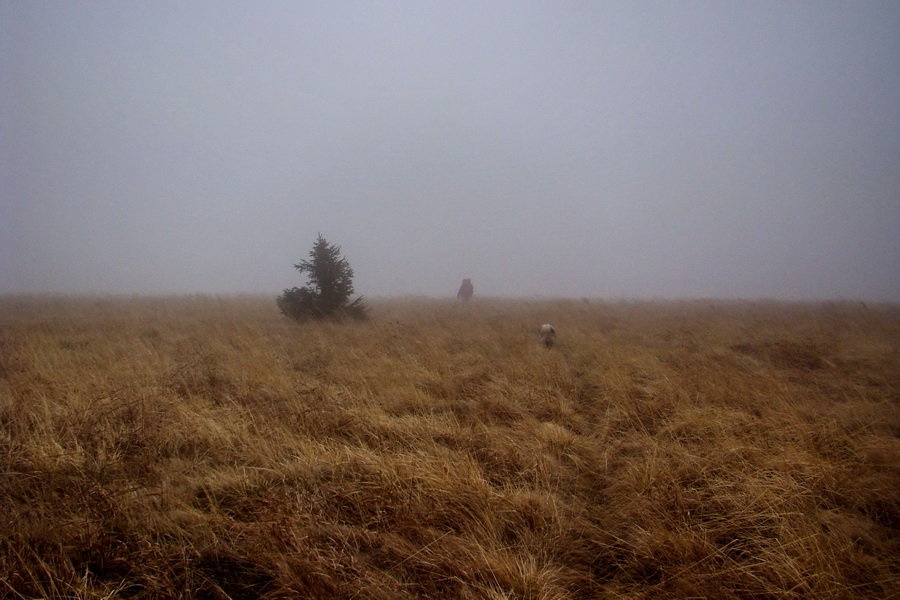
pixel 209 448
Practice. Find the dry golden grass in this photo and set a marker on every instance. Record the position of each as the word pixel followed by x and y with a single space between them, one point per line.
pixel 209 448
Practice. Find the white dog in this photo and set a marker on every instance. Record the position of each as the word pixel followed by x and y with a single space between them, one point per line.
pixel 548 335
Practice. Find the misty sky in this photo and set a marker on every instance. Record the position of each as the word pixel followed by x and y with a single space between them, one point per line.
pixel 604 149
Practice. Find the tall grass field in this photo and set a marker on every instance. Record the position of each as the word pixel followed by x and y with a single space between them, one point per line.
pixel 208 447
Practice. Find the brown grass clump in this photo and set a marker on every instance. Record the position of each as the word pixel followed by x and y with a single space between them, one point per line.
pixel 209 448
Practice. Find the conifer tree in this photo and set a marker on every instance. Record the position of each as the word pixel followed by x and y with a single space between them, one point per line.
pixel 328 290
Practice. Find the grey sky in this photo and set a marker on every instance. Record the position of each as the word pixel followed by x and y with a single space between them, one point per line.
pixel 618 149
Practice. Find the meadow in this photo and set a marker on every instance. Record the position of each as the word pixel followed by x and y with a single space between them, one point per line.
pixel 208 447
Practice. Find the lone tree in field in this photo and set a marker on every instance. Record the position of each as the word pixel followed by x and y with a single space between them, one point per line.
pixel 328 291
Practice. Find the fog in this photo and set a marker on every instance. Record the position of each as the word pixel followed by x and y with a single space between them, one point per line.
pixel 599 149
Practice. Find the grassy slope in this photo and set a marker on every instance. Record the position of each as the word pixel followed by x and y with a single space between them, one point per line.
pixel 210 448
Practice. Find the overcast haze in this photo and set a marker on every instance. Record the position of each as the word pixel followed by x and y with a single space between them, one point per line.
pixel 602 149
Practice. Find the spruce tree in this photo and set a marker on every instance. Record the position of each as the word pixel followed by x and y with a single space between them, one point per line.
pixel 328 290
